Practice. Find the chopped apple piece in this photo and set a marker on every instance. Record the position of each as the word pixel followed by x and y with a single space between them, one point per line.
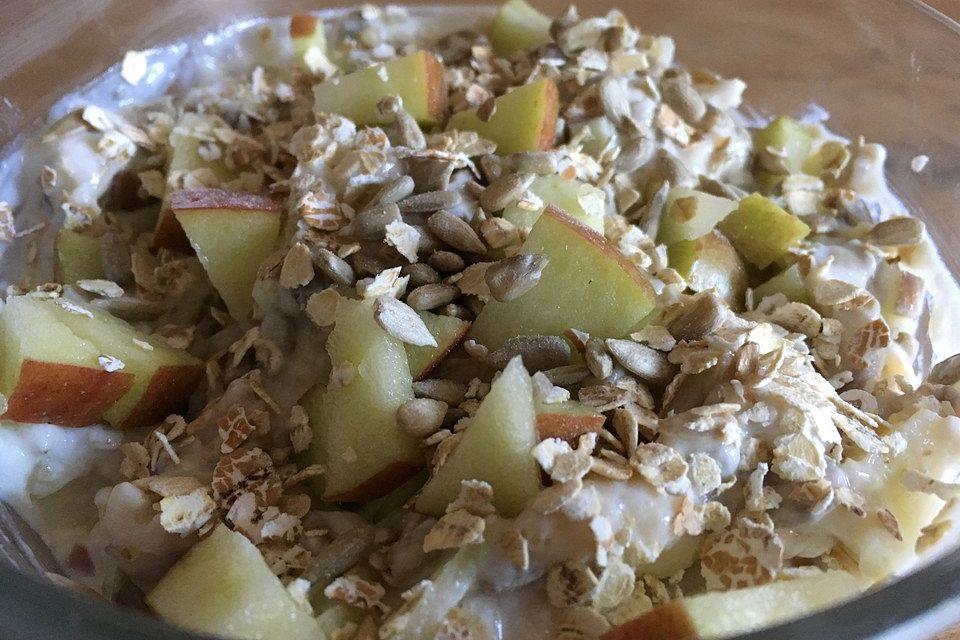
pixel 223 587
pixel 163 377
pixel 761 231
pixel 600 137
pixel 584 202
pixel 356 436
pixel 524 119
pixel 49 374
pixel 495 448
pixel 690 214
pixel 711 262
pixel 790 282
pixel 79 257
pixel 232 234
pixel 588 284
pixel 567 420
pixel 729 613
pixel 448 331
pixel 787 140
pixel 899 291
pixel 417 79
pixel 518 26
pixel 306 32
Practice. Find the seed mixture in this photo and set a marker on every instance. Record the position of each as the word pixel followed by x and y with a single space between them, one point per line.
pixel 416 421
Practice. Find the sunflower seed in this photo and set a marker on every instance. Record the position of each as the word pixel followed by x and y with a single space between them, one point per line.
pixel 431 296
pixel 420 274
pixel 700 318
pixel 456 232
pixel 409 131
pixel 674 171
pixel 371 223
pixel 946 372
pixel 429 202
pixel 367 265
pixel 334 267
pixel 598 359
pixel 542 163
pixel 639 359
pixel 568 374
pixel 897 232
pixel 448 391
pixel 402 322
pixel 429 174
pixel 613 99
pixel 635 153
pixel 504 190
pixel 393 191
pixel 539 353
pixel 446 262
pixel 421 417
pixel 510 278
pixel 683 98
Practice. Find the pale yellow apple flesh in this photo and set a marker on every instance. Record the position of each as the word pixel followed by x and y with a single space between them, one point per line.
pixel 788 139
pixel 518 26
pixel 417 79
pixel 583 201
pixel 689 214
pixel 448 331
pixel 223 587
pixel 524 119
pixel 79 257
pixel 306 32
pixel 711 262
pixel 232 233
pixel 588 284
pixel 163 377
pixel 49 374
pixel 790 282
pixel 495 448
pixel 762 231
pixel 356 437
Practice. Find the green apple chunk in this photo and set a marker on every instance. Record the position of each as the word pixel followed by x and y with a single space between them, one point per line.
pixel 786 140
pixel 306 32
pixel 790 282
pixel 495 448
pixel 448 331
pixel 524 119
pixel 417 79
pixel 711 262
pixel 232 234
pixel 518 26
pixel 79 257
pixel 583 201
pixel 588 284
pixel 48 373
pixel 356 436
pixel 761 231
pixel 223 587
pixel 567 420
pixel 725 614
pixel 163 377
pixel 689 214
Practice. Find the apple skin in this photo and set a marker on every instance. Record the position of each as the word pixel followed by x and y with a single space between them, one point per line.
pixel 567 421
pixel 448 331
pixel 303 25
pixel 669 621
pixel 379 485
pixel 168 392
pixel 64 394
pixel 219 199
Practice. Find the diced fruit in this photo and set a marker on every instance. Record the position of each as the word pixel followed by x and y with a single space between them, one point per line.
pixel 49 374
pixel 306 32
pixel 525 119
pixel 728 613
pixel 899 291
pixel 588 284
pixel 761 231
pixel 567 420
pixel 786 139
pixel 790 282
pixel 356 436
pixel 223 587
pixel 494 448
pixel 711 262
pixel 232 234
pixel 690 214
pixel 600 138
pixel 79 257
pixel 518 26
pixel 584 202
pixel 417 79
pixel 163 377
pixel 185 157
pixel 448 331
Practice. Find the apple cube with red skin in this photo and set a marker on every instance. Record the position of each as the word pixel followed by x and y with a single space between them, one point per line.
pixel 761 231
pixel 588 284
pixel 49 374
pixel 356 436
pixel 567 420
pixel 417 79
pixel 232 233
pixel 163 377
pixel 448 331
pixel 495 448
pixel 518 26
pixel 79 257
pixel 524 119
pixel 223 587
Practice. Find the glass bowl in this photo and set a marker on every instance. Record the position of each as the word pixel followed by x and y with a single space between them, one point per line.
pixel 884 69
